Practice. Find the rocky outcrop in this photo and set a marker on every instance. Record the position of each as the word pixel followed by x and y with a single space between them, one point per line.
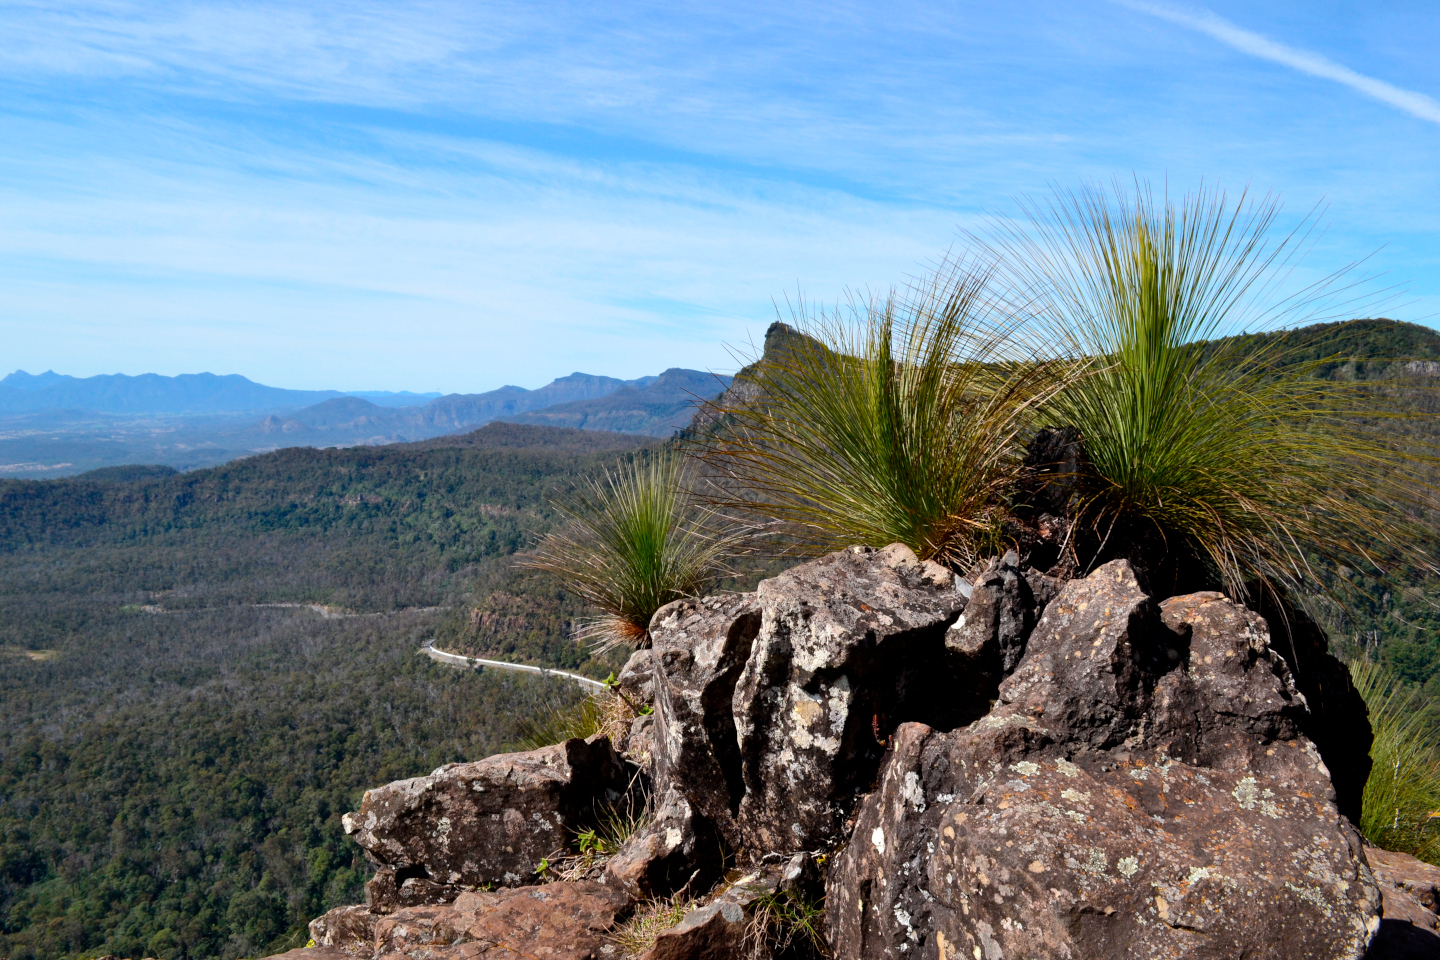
pixel 487 822
pixel 699 649
pixel 556 921
pixel 772 709
pixel 1141 789
pixel 996 766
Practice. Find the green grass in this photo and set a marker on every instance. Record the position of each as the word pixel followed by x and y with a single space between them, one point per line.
pixel 637 935
pixel 635 539
pixel 785 923
pixel 893 419
pixel 1402 797
pixel 557 723
pixel 1223 452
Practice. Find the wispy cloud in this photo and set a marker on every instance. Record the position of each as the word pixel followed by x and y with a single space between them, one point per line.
pixel 1246 41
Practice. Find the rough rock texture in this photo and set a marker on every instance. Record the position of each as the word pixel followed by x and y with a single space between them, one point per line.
pixel 998 619
pixel 350 930
pixel 848 645
pixel 491 821
pixel 640 743
pixel 676 849
pixel 1141 789
pixel 636 678
pixel 1410 890
pixel 699 649
pixel 772 709
pixel 556 921
pixel 299 953
pixel 713 932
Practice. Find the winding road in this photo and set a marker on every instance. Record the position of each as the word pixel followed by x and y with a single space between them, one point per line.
pixel 475 663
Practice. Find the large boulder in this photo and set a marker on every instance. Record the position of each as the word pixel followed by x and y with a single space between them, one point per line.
pixel 773 709
pixel 848 646
pixel 555 921
pixel 1142 789
pixel 487 822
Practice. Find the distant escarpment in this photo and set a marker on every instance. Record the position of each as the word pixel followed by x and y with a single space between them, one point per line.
pixel 997 765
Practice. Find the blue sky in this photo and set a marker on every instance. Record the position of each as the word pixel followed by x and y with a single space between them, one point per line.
pixel 456 196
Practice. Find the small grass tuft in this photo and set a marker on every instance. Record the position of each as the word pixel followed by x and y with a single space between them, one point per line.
pixel 556 724
pixel 784 923
pixel 596 845
pixel 637 935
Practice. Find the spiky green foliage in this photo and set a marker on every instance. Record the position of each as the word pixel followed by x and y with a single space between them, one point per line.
pixel 636 539
pixel 1401 809
pixel 1227 450
pixel 889 420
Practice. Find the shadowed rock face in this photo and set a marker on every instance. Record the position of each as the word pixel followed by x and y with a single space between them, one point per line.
pixel 491 821
pixel 773 708
pixel 1140 790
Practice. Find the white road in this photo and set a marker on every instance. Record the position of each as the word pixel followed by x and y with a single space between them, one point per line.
pixel 459 660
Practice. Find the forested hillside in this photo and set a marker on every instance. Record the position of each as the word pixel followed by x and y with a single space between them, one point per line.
pixel 180 729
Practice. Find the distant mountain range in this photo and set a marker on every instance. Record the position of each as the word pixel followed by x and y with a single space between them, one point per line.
pixel 53 425
pixel 151 393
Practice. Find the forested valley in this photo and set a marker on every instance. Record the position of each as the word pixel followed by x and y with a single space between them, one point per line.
pixel 199 673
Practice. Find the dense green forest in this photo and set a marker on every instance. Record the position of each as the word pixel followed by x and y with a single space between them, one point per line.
pixel 199 672
pixel 180 730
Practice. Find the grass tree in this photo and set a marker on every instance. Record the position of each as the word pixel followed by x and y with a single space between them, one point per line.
pixel 1210 450
pixel 892 419
pixel 1401 806
pixel 635 539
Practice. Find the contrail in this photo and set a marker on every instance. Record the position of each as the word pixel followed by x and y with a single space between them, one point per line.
pixel 1413 103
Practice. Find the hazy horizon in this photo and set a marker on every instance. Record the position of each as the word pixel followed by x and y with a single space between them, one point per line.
pixel 456 196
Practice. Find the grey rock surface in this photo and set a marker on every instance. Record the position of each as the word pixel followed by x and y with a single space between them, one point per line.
pixel 699 649
pixel 487 822
pixel 1140 790
pixel 848 645
pixel 998 618
pixel 677 849
pixel 636 678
